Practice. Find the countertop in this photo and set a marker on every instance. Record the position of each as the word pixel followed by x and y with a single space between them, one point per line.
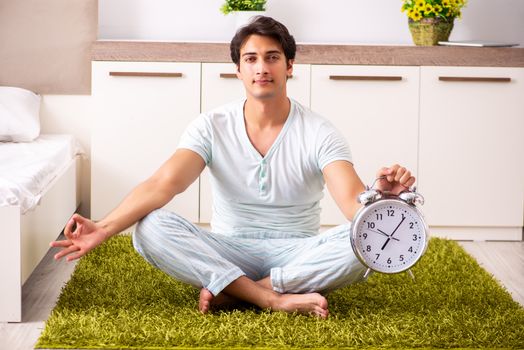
pixel 394 55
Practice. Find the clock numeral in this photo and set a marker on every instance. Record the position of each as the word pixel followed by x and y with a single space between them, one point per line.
pixel 371 225
pixel 365 235
pixel 410 249
pixel 379 216
pixel 378 256
pixel 414 237
pixel 411 224
pixel 391 212
pixel 401 258
pixel 368 248
pixel 388 261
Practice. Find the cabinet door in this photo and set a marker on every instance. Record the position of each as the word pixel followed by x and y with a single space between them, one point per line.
pixel 376 109
pixel 471 145
pixel 142 109
pixel 220 86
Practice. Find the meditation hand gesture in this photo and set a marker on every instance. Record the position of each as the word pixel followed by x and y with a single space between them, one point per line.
pixel 82 235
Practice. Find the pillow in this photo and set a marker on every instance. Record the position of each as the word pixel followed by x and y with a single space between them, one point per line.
pixel 19 114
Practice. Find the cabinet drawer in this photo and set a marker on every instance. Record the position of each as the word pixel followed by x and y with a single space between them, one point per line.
pixel 142 108
pixel 471 145
pixel 376 109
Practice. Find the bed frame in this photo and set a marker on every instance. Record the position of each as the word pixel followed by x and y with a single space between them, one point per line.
pixel 24 239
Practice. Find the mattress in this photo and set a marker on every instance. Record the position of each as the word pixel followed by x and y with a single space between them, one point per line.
pixel 28 168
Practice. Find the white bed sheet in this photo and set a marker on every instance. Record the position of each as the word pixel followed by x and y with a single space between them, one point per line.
pixel 27 168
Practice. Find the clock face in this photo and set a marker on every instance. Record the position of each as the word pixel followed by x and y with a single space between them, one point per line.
pixel 389 235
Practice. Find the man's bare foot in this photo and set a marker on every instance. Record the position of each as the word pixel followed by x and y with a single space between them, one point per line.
pixel 309 304
pixel 207 299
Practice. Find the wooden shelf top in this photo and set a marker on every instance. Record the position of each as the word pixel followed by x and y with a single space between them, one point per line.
pixel 315 54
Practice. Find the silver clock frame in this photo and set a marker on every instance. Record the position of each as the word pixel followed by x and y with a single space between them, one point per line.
pixel 373 198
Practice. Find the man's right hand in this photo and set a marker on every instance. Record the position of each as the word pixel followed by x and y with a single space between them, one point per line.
pixel 82 235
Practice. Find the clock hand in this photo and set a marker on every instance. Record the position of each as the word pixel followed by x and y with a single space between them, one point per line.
pixel 384 246
pixel 380 232
pixel 392 233
pixel 396 228
pixel 385 234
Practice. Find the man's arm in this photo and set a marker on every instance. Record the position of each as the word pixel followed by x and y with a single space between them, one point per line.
pixel 172 178
pixel 344 185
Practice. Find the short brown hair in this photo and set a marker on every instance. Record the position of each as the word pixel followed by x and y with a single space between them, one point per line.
pixel 264 26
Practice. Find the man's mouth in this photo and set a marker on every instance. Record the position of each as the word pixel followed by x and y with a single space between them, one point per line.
pixel 263 81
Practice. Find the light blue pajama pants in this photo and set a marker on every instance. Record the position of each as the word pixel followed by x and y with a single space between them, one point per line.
pixel 297 263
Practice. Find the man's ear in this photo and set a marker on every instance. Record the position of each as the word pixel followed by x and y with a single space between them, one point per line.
pixel 238 71
pixel 290 67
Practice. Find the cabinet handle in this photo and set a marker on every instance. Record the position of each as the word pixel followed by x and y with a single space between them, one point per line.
pixel 228 75
pixel 476 79
pixel 234 76
pixel 145 74
pixel 365 77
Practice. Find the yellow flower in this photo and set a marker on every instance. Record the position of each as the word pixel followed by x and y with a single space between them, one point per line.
pixel 446 9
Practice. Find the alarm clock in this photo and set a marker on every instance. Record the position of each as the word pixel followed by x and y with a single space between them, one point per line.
pixel 389 233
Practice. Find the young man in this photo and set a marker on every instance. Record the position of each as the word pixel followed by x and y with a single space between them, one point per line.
pixel 269 158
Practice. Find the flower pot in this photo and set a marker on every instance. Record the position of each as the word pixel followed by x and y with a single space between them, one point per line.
pixel 243 17
pixel 429 31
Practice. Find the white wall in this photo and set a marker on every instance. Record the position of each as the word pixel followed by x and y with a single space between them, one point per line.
pixel 311 21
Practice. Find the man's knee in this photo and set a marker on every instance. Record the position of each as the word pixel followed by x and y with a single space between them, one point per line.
pixel 161 224
pixel 148 226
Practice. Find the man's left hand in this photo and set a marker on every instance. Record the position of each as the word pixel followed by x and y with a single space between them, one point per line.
pixel 394 179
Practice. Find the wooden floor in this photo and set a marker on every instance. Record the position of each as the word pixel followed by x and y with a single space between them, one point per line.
pixel 505 260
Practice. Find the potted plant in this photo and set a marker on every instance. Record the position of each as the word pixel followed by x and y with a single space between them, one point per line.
pixel 431 21
pixel 243 9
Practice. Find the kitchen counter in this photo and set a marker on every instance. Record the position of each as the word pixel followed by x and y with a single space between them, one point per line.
pixel 315 54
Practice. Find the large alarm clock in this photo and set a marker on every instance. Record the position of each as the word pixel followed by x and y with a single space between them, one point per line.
pixel 389 233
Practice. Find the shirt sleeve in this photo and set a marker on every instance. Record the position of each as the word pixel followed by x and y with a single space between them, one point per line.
pixel 198 138
pixel 331 146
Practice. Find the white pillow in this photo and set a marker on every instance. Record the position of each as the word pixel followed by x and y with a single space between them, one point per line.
pixel 19 114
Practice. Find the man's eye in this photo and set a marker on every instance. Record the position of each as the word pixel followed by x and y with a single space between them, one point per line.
pixel 249 59
pixel 273 57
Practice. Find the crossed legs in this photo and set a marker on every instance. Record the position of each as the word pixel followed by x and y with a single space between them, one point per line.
pixel 227 268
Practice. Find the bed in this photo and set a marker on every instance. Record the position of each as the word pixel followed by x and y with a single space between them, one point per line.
pixel 39 191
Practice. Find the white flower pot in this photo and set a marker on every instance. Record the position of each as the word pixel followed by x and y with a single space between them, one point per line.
pixel 243 17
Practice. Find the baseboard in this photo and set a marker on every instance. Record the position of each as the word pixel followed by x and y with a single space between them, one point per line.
pixel 477 233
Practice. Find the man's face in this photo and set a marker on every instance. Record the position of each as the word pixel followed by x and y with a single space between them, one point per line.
pixel 263 67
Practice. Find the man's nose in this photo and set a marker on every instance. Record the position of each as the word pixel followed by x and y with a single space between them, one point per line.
pixel 261 67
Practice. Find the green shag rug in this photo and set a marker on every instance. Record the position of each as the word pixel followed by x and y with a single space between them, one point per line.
pixel 116 300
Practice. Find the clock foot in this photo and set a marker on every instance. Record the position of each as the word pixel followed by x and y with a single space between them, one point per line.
pixel 411 274
pixel 367 274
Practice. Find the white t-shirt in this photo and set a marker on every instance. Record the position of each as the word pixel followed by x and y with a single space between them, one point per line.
pixel 278 192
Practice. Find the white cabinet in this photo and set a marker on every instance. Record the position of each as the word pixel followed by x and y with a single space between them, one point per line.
pixel 142 109
pixel 220 86
pixel 376 109
pixel 471 168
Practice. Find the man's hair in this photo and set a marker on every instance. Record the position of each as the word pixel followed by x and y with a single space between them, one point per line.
pixel 264 26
